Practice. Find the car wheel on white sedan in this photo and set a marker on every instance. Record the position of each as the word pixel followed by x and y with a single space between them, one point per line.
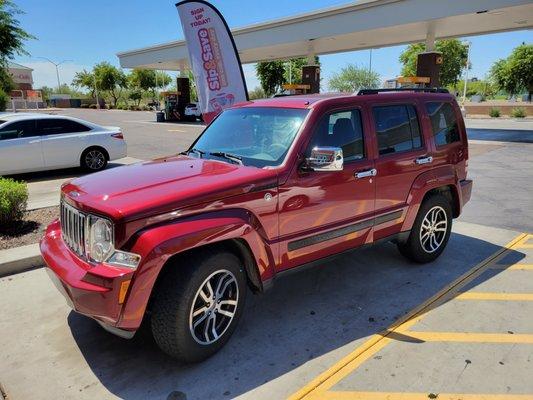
pixel 94 159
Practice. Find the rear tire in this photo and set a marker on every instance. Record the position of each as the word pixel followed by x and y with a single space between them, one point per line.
pixel 196 309
pixel 430 232
pixel 94 159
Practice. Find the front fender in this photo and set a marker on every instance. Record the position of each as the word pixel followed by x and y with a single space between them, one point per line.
pixel 438 177
pixel 157 244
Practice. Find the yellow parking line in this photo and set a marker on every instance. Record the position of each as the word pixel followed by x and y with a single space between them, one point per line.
pixel 523 244
pixel 319 385
pixel 415 396
pixel 513 267
pixel 470 337
pixel 495 296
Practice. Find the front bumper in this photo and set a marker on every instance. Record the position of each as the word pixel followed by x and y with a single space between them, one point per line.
pixel 90 289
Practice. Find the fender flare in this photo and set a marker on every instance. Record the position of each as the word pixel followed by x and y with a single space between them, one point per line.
pixel 425 182
pixel 157 244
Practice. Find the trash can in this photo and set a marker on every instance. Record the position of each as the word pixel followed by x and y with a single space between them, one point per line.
pixel 160 116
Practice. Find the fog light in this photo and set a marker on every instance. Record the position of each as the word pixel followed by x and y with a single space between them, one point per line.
pixel 124 259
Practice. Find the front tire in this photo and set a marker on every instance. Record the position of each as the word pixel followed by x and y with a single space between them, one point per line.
pixel 196 309
pixel 94 159
pixel 430 232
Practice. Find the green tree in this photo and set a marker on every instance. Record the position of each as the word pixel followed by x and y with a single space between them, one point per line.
pixel 12 38
pixel 352 78
pixel 85 79
pixel 515 73
pixel 111 79
pixel 271 75
pixel 136 95
pixel 148 79
pixel 257 93
pixel 274 74
pixel 454 54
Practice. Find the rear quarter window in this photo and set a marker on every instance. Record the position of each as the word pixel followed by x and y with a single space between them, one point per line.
pixel 443 123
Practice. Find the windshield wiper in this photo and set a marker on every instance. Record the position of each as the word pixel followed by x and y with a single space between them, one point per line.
pixel 228 156
pixel 200 152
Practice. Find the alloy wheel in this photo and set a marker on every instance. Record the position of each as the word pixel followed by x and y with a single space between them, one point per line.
pixel 95 159
pixel 433 229
pixel 214 307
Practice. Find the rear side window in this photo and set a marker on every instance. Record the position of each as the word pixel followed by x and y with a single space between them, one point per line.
pixel 53 126
pixel 18 129
pixel 397 128
pixel 341 129
pixel 443 123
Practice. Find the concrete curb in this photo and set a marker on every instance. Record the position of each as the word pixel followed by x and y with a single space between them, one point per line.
pixel 20 259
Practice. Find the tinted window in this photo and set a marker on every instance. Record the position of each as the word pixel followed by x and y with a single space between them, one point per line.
pixel 18 129
pixel 397 128
pixel 58 126
pixel 341 129
pixel 443 123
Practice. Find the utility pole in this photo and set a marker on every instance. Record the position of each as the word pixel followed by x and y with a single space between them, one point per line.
pixel 466 77
pixel 96 92
pixel 57 70
pixel 370 67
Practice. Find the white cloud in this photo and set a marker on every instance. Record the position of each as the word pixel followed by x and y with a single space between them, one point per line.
pixel 44 73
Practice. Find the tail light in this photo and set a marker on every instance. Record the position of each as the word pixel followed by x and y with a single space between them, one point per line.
pixel 118 135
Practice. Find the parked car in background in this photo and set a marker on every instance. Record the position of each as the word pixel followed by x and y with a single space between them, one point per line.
pixel 192 112
pixel 36 142
pixel 269 187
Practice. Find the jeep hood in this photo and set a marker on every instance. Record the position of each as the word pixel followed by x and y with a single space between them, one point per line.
pixel 154 187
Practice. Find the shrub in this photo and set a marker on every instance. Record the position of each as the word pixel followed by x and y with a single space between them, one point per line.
pixel 495 112
pixel 3 100
pixel 13 199
pixel 93 106
pixel 518 112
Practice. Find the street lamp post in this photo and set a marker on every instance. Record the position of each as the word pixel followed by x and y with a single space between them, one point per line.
pixel 57 70
pixel 469 44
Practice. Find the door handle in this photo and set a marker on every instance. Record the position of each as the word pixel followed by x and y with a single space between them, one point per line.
pixel 366 174
pixel 424 160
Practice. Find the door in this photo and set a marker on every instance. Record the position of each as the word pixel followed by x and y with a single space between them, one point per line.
pixel 20 148
pixel 62 141
pixel 402 156
pixel 326 212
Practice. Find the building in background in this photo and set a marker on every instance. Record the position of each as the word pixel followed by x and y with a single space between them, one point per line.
pixel 22 76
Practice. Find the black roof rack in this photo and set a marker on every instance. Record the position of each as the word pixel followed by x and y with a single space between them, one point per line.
pixel 363 92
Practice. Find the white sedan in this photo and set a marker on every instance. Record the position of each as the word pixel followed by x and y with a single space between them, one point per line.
pixel 35 142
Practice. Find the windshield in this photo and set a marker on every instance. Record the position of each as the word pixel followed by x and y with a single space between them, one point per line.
pixel 256 136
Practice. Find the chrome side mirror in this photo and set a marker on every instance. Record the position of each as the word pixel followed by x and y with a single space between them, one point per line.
pixel 325 159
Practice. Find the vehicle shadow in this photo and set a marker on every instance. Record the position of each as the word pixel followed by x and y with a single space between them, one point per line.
pixel 304 316
pixel 501 135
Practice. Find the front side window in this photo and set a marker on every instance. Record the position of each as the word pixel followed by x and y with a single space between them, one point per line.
pixel 397 128
pixel 341 129
pixel 258 136
pixel 51 126
pixel 18 129
pixel 443 123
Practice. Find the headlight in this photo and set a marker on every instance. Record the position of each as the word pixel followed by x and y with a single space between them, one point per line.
pixel 101 240
pixel 101 245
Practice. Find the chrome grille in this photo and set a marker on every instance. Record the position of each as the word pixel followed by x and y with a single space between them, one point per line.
pixel 73 228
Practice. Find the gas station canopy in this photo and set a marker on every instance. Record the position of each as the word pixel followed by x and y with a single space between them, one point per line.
pixel 357 26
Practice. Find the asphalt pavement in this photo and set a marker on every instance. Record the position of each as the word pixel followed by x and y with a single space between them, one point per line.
pixel 370 325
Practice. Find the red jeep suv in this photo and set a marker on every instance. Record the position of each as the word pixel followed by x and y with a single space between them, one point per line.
pixel 269 186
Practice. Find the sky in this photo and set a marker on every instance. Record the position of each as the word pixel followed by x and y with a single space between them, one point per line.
pixel 87 32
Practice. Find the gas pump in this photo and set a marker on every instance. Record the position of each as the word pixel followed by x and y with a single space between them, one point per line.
pixel 171 110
